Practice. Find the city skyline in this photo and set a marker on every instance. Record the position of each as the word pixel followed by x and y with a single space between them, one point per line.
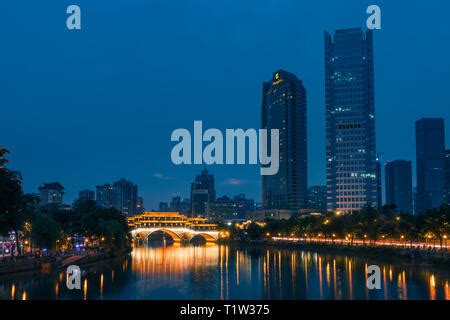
pixel 146 162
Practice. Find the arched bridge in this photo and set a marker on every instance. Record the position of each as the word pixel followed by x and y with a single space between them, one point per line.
pixel 178 227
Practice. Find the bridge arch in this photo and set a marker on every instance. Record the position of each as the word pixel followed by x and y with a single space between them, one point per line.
pixel 173 235
pixel 207 237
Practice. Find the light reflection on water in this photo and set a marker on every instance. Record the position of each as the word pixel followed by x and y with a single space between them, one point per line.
pixel 224 272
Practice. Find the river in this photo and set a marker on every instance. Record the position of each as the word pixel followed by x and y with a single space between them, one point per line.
pixel 229 272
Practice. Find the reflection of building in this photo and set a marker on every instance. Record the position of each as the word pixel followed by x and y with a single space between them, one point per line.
pixel 352 180
pixel 125 196
pixel 447 177
pixel 284 108
pixel 430 152
pixel 398 183
pixel 51 193
pixel 104 195
pixel 86 195
pixel 317 198
pixel 202 192
pixel 222 209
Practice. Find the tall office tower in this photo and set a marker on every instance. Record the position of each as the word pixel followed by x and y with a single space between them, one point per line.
pixel 202 192
pixel 51 194
pixel 352 181
pixel 430 152
pixel 398 183
pixel 447 177
pixel 104 195
pixel 317 198
pixel 284 108
pixel 125 196
pixel 86 195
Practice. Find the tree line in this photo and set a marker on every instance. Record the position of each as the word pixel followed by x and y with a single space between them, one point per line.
pixel 369 223
pixel 52 227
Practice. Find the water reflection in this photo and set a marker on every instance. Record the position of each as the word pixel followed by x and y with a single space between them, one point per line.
pixel 224 272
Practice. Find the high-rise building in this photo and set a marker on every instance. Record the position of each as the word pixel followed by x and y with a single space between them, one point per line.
pixel 447 177
pixel 51 194
pixel 352 181
pixel 398 184
pixel 284 108
pixel 125 196
pixel 430 153
pixel 317 198
pixel 202 192
pixel 86 195
pixel 104 195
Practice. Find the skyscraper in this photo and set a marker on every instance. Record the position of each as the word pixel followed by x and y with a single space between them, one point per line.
pixel 202 192
pixel 352 181
pixel 125 196
pixel 104 195
pixel 86 195
pixel 398 182
pixel 430 153
pixel 284 108
pixel 447 177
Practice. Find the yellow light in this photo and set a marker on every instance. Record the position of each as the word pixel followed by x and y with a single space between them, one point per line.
pixel 445 236
pixel 402 237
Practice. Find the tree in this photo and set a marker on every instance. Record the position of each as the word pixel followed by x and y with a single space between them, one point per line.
pixel 254 231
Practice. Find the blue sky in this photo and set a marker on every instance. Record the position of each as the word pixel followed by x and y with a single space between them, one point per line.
pixel 91 106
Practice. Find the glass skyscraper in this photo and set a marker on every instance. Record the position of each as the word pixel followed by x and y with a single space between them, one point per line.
pixel 284 108
pixel 352 180
pixel 398 178
pixel 430 157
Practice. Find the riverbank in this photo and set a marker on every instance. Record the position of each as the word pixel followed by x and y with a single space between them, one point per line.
pixel 403 254
pixel 29 263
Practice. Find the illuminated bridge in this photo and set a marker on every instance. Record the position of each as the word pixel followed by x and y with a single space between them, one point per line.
pixel 179 227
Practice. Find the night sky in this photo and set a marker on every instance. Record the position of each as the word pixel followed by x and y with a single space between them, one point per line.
pixel 91 106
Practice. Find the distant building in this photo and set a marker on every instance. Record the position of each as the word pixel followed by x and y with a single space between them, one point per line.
pixel 17 176
pixel 202 193
pixel 275 214
pixel 447 177
pixel 398 184
pixel 430 156
pixel 243 205
pixel 178 204
pixel 352 179
pixel 86 195
pixel 317 198
pixel 221 209
pixel 104 195
pixel 51 194
pixel 163 207
pixel 284 109
pixel 140 205
pixel 125 196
